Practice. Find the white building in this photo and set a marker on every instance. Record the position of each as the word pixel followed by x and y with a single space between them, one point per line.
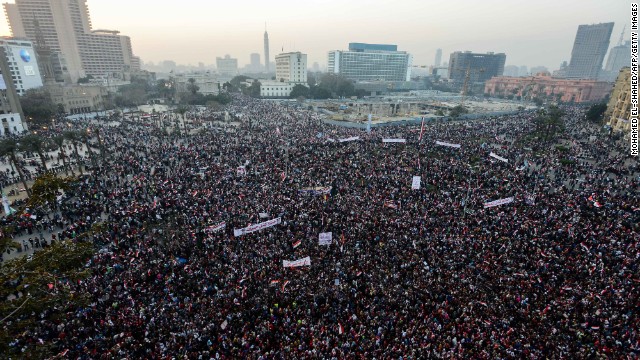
pixel 275 89
pixel 21 58
pixel 291 67
pixel 11 116
pixel 207 83
pixel 227 67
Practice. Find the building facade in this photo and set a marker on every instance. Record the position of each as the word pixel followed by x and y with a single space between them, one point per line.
pixel 78 99
pixel 618 111
pixel 438 59
pixel 619 57
pixel 227 67
pixel 11 116
pixel 291 67
pixel 275 89
pixel 589 48
pixel 549 88
pixel 65 26
pixel 474 68
pixel 371 62
pixel 23 64
pixel 207 83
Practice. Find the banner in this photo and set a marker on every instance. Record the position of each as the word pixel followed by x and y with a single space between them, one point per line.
pixel 325 238
pixel 297 263
pixel 353 138
pixel 390 204
pixel 320 190
pixel 394 140
pixel 498 157
pixel 415 183
pixel 457 146
pixel 213 228
pixel 498 202
pixel 256 227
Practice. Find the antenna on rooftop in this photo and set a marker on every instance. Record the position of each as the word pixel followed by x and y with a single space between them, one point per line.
pixel 622 34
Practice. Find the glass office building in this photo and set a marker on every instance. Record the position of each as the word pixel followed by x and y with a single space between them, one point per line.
pixel 371 62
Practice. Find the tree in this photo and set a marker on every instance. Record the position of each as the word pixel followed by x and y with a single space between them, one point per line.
pixel 537 101
pixel 6 242
pixel 84 137
pixel 182 110
pixel 37 144
pixel 192 87
pixel 254 89
pixel 165 89
pixel 9 147
pixel 59 141
pixel 74 138
pixel 317 92
pixel 299 90
pixel 549 123
pixel 457 111
pixel 596 112
pixel 39 282
pixel 38 107
pixel 45 190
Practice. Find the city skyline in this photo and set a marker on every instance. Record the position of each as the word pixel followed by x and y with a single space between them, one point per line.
pixel 323 25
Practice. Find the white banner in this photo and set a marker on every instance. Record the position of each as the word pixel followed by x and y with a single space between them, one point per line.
pixel 213 228
pixel 498 202
pixel 415 183
pixel 256 227
pixel 457 146
pixel 394 140
pixel 297 263
pixel 498 157
pixel 353 138
pixel 325 238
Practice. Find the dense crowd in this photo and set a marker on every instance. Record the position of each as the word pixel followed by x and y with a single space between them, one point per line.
pixel 411 274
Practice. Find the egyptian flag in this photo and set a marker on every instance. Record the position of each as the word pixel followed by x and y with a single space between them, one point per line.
pixel 283 176
pixel 274 282
pixel 597 204
pixel 285 284
pixel 297 243
pixel 421 130
pixel 340 329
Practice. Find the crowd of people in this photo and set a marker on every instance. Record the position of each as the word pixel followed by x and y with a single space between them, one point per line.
pixel 409 274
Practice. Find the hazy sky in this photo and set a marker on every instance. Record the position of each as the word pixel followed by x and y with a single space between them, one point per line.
pixel 531 33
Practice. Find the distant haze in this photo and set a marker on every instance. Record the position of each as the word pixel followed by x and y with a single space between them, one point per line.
pixel 531 33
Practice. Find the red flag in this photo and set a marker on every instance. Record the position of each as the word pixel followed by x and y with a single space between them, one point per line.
pixel 283 175
pixel 421 130
pixel 285 284
pixel 273 282
pixel 340 329
pixel 296 244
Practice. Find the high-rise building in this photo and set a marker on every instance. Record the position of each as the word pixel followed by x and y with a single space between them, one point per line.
pixel 619 57
pixel 474 69
pixel 227 67
pixel 589 48
pixel 523 70
pixel 438 58
pixel 11 116
pixel 510 70
pixel 255 62
pixel 23 64
pixel 371 62
pixel 291 67
pixel 65 26
pixel 266 50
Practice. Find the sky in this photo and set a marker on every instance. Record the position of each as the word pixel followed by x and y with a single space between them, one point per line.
pixel 529 32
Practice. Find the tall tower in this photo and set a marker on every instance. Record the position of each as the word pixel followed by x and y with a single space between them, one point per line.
pixel 438 57
pixel 266 49
pixel 589 48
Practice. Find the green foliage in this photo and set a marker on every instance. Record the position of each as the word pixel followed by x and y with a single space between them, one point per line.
pixel 253 90
pixel 562 149
pixel 85 80
pixel 132 94
pixel 596 112
pixel 41 281
pixel 457 111
pixel 45 189
pixel 38 108
pixel 299 90
pixel 567 162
